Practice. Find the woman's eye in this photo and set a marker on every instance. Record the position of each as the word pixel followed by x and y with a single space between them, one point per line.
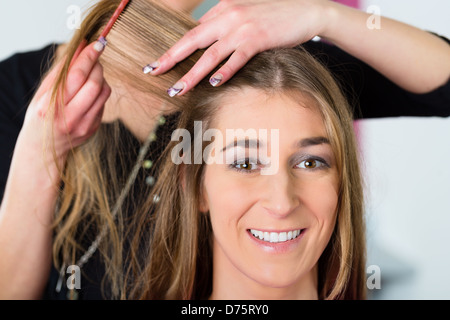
pixel 246 165
pixel 311 164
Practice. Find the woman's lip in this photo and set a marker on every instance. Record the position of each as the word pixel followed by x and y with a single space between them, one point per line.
pixel 277 247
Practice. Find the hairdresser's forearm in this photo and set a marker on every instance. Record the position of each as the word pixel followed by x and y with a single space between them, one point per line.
pixel 414 59
pixel 26 216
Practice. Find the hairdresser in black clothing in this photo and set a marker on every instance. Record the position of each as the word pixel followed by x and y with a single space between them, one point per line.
pixel 381 85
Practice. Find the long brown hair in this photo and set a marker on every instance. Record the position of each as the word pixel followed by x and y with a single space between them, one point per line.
pixel 179 264
pixel 180 257
pixel 96 172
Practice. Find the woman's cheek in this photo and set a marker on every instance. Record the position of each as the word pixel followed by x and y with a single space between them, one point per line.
pixel 319 193
pixel 321 201
pixel 227 196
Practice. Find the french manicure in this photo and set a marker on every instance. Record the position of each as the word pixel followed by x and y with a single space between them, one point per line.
pixel 100 45
pixel 214 81
pixel 150 67
pixel 176 89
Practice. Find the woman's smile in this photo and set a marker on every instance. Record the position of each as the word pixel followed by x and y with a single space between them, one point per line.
pixel 275 236
pixel 276 242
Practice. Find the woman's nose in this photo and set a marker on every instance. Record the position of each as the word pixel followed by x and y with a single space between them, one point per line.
pixel 279 197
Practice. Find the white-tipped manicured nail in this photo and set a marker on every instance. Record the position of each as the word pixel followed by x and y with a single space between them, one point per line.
pixel 150 67
pixel 176 89
pixel 214 81
pixel 100 45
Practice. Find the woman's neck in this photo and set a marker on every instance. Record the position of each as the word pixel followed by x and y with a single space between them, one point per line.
pixel 139 117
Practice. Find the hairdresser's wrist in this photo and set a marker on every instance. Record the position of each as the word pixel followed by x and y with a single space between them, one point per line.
pixel 333 18
pixel 344 25
pixel 32 187
pixel 42 162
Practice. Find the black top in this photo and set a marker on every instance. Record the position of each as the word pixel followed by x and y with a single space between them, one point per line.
pixel 373 95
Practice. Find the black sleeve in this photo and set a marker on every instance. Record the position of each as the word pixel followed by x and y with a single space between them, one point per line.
pixel 19 78
pixel 374 96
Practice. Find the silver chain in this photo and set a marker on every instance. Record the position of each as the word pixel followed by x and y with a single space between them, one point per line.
pixel 131 179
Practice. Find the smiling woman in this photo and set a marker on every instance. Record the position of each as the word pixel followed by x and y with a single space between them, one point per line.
pixel 223 230
pixel 273 236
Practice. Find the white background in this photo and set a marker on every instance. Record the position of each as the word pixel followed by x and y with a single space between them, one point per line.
pixel 407 163
pixel 406 160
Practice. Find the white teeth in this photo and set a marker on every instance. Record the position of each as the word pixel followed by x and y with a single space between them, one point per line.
pixel 289 235
pixel 275 237
pixel 260 234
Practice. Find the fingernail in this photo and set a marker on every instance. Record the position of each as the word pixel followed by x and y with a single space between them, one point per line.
pixel 176 89
pixel 214 81
pixel 100 45
pixel 150 67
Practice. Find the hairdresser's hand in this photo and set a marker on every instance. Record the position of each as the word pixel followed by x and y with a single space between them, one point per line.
pixel 240 29
pixel 28 206
pixel 79 115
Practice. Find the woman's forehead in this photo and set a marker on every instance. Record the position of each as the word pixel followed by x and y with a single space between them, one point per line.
pixel 251 108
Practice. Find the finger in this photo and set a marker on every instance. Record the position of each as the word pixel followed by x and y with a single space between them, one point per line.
pixel 80 48
pixel 96 110
pixel 212 57
pixel 85 97
pixel 81 69
pixel 92 119
pixel 236 61
pixel 50 78
pixel 200 37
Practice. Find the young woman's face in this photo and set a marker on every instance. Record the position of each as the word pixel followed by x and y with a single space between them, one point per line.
pixel 271 227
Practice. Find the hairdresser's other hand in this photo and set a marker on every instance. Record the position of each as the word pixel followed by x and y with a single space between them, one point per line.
pixel 79 115
pixel 28 206
pixel 240 29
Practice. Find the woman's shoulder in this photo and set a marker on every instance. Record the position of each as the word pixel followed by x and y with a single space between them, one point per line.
pixel 20 75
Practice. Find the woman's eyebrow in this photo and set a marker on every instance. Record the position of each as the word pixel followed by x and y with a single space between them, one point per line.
pixel 246 143
pixel 313 141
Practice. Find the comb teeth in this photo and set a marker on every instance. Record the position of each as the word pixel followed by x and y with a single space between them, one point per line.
pixel 113 20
